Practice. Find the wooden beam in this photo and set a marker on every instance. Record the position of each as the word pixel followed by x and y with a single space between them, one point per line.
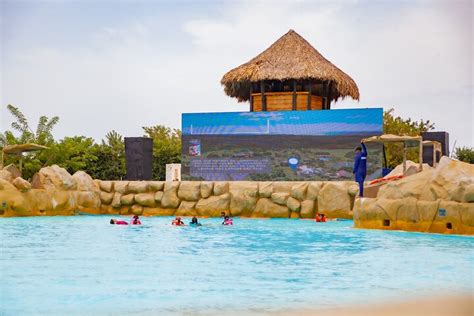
pixel 309 95
pixel 329 95
pixel 435 153
pixel 294 96
pixel 264 100
pixel 21 164
pixel 323 94
pixel 251 98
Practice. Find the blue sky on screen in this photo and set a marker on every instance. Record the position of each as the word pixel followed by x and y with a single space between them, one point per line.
pixel 335 122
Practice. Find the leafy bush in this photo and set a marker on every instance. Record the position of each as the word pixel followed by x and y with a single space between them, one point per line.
pixel 101 161
pixel 465 154
pixel 166 148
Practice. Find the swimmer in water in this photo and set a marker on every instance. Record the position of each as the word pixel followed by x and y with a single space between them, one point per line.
pixel 114 221
pixel 194 221
pixel 177 221
pixel 228 221
pixel 135 220
pixel 321 218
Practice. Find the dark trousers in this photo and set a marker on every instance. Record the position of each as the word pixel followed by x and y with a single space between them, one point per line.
pixel 361 188
pixel 360 178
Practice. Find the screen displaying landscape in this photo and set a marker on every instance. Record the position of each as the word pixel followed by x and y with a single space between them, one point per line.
pixel 286 145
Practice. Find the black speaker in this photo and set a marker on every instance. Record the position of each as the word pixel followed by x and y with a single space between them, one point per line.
pixel 441 137
pixel 139 158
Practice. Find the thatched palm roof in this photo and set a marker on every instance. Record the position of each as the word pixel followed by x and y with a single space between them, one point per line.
pixel 290 57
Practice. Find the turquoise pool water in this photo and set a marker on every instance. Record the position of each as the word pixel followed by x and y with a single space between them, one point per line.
pixel 85 266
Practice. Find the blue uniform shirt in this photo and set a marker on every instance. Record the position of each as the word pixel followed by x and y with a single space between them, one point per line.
pixel 360 164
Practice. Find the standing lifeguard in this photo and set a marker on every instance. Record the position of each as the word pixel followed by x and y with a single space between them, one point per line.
pixel 360 167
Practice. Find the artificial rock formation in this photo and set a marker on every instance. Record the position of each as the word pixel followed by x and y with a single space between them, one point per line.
pixel 54 191
pixel 438 200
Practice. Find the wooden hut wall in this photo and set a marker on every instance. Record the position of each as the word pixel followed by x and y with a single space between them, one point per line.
pixel 283 101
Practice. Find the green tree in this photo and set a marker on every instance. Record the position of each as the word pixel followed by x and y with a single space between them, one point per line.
pixel 465 154
pixel 32 162
pixel 166 148
pixel 111 157
pixel 101 161
pixel 403 127
pixel 72 153
pixel 42 136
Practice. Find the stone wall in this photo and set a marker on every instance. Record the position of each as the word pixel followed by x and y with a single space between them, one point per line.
pixel 438 200
pixel 53 191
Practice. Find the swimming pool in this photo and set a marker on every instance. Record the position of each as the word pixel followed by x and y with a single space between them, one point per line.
pixel 84 265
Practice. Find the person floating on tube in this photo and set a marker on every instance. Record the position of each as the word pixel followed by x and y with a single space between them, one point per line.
pixel 360 166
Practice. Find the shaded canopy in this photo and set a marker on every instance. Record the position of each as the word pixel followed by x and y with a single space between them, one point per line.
pixel 386 138
pixel 411 141
pixel 291 57
pixel 18 149
pixel 390 138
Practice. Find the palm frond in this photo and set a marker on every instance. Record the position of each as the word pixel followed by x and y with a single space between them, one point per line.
pixel 43 120
pixel 50 125
pixel 22 123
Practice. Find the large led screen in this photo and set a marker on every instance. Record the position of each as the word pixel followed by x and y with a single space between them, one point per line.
pixel 286 145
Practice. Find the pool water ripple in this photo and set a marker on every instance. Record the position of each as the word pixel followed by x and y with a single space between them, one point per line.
pixel 83 265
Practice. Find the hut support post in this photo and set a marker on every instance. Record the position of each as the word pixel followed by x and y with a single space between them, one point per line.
pixel 309 95
pixel 436 150
pixel 294 96
pixel 251 98
pixel 324 95
pixel 21 164
pixel 328 100
pixel 264 100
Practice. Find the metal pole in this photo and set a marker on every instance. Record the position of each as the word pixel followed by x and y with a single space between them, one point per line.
pixel 420 155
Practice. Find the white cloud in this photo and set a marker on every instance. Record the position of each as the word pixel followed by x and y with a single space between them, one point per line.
pixel 416 58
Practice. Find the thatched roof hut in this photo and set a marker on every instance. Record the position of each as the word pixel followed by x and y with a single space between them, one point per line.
pixel 290 64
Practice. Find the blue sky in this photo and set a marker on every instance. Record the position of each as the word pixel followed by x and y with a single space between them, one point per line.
pixel 103 65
